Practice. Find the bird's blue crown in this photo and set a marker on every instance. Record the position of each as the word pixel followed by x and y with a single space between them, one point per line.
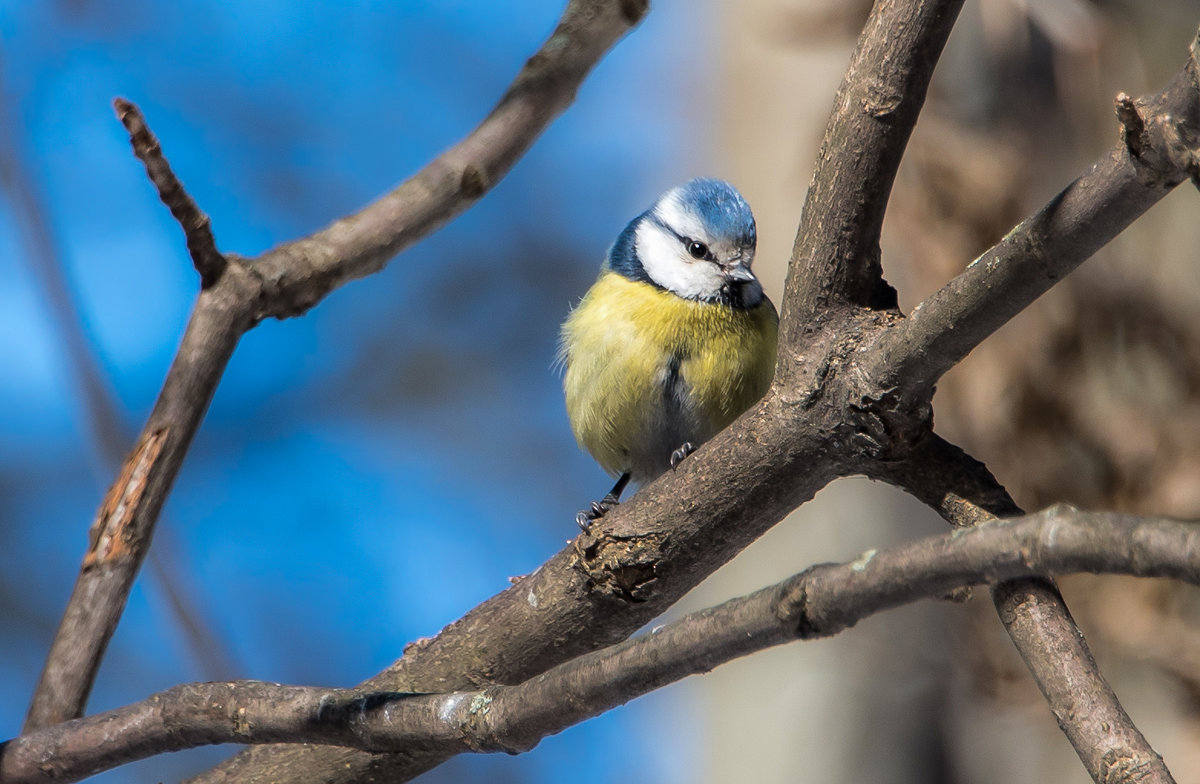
pixel 724 212
pixel 717 204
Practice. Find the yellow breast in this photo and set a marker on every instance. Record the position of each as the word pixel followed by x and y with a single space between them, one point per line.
pixel 647 370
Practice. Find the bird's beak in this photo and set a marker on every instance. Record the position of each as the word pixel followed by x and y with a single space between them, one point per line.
pixel 737 273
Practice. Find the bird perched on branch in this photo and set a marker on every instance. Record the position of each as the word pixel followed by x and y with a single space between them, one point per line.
pixel 673 341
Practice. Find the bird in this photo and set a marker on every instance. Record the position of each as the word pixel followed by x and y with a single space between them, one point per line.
pixel 673 341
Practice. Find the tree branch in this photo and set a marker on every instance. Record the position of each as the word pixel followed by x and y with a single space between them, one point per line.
pixel 299 274
pixel 236 295
pixel 197 228
pixel 1161 138
pixel 835 261
pixel 120 534
pixel 1159 150
pixel 1037 619
pixel 820 601
pixel 948 480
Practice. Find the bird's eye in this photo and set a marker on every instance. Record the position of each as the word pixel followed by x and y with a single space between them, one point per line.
pixel 698 250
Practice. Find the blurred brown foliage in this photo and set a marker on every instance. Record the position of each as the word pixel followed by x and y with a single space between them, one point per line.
pixel 1092 396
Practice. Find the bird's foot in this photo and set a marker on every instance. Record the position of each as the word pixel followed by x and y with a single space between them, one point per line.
pixel 679 454
pixel 598 509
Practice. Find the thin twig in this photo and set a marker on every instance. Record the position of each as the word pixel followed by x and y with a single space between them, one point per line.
pixel 197 227
pixel 821 601
pixel 104 415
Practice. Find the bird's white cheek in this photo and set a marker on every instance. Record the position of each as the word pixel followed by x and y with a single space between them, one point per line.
pixel 664 261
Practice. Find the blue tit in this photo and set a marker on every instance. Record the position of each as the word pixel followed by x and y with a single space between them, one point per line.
pixel 673 341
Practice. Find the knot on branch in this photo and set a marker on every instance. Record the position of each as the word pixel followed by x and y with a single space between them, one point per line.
pixel 624 567
pixel 1166 143
pixel 806 618
pixel 1127 768
pixel 882 99
pixel 888 425
pixel 791 608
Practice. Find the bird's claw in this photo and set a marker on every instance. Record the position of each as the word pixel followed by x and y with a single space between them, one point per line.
pixel 683 451
pixel 594 512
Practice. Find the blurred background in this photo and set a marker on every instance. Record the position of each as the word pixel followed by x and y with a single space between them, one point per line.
pixel 341 497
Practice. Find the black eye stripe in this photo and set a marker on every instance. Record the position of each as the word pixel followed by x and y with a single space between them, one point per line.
pixel 706 253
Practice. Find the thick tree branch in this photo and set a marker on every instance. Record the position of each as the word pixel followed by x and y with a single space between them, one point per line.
pixel 821 601
pixel 1160 142
pixel 1032 610
pixel 835 261
pixel 238 293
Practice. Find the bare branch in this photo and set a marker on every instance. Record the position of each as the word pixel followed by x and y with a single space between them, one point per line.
pixel 1037 619
pixel 1159 152
pixel 284 282
pixel 1088 712
pixel 120 535
pixel 820 601
pixel 948 480
pixel 1156 155
pixel 299 274
pixel 197 228
pixel 835 260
